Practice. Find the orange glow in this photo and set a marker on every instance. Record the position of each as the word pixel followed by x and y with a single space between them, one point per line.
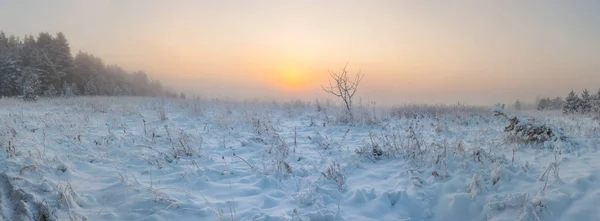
pixel 293 80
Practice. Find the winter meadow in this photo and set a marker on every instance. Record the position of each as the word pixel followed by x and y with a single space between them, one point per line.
pixel 299 110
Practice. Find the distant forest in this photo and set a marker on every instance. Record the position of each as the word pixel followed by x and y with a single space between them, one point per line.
pixel 572 104
pixel 43 66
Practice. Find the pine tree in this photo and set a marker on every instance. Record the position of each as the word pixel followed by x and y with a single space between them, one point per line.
pixel 140 83
pixel 88 69
pixel 68 90
pixel 10 68
pixel 586 102
pixel 3 42
pixel 50 91
pixel 543 104
pixel 90 88
pixel 517 105
pixel 557 103
pixel 30 84
pixel 596 102
pixel 572 103
pixel 60 54
pixel 47 53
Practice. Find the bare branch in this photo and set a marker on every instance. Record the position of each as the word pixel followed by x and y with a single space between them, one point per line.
pixel 343 86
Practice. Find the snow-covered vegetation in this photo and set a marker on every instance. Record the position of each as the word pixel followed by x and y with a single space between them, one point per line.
pixel 43 66
pixel 585 103
pixel 128 158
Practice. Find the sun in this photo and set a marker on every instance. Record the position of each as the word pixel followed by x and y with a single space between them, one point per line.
pixel 293 79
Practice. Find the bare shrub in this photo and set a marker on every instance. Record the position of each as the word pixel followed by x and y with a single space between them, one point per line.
pixel 344 87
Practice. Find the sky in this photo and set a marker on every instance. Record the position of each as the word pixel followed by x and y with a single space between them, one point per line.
pixel 476 52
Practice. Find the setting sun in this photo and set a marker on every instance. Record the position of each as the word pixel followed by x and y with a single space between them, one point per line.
pixel 293 80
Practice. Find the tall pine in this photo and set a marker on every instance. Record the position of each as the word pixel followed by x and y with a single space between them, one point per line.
pixel 60 52
pixel 10 66
pixel 30 84
pixel 596 102
pixel 586 102
pixel 571 103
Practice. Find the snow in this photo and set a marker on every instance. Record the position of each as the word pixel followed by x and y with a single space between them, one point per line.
pixel 109 158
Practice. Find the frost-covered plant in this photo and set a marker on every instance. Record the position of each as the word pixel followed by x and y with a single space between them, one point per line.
pixel 552 166
pixel 276 150
pixel 261 126
pixel 280 151
pixel 197 109
pixel 418 111
pixel 161 111
pixel 496 174
pixel 67 196
pixel 318 106
pixel 475 185
pixel 334 173
pixel 98 105
pixel 184 148
pixel 528 130
pixel 441 159
pixel 391 143
pixel 523 206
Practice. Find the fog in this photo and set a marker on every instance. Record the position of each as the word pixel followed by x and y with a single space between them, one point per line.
pixel 420 52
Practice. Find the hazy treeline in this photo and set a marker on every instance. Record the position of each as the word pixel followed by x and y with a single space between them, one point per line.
pixel 43 66
pixel 573 103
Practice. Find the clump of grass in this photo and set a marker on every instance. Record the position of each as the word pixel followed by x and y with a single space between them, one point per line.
pixel 334 173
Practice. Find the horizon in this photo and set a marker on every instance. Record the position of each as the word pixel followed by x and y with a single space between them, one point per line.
pixel 409 52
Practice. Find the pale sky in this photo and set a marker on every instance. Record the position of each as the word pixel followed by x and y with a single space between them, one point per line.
pixel 478 52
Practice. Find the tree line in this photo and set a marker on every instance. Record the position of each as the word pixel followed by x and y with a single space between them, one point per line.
pixel 574 103
pixel 43 66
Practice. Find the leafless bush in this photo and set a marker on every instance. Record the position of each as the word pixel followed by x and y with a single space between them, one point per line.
pixel 344 87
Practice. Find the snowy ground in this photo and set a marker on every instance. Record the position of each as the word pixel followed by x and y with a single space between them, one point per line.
pixel 152 159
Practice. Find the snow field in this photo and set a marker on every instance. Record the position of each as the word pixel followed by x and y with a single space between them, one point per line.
pixel 108 158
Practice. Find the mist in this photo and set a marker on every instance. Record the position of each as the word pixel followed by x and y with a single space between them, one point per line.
pixel 419 52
